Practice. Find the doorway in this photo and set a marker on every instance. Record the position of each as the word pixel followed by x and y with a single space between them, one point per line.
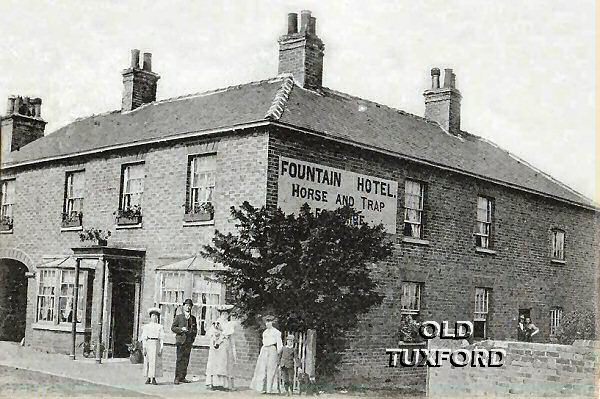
pixel 122 312
pixel 13 300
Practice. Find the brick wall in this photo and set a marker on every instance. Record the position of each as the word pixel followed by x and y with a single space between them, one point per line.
pixel 530 369
pixel 520 273
pixel 241 175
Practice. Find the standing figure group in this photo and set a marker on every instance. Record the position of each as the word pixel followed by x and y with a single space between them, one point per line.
pixel 274 358
pixel 526 330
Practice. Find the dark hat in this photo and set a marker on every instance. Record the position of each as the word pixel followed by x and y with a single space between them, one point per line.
pixel 188 301
pixel 154 311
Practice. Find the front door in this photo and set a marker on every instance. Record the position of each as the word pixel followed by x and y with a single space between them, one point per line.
pixel 123 312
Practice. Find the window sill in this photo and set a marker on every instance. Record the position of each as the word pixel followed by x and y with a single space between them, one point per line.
pixel 6 231
pixel 66 327
pixel 412 240
pixel 199 223
pixel 485 251
pixel 76 228
pixel 128 226
pixel 560 262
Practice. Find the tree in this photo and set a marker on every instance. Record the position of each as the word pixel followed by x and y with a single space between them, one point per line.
pixel 579 324
pixel 310 271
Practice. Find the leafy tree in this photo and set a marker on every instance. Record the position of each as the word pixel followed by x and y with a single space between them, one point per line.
pixel 310 271
pixel 576 325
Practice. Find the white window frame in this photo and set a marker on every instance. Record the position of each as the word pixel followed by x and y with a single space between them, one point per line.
pixel 187 288
pixel 411 297
pixel 483 225
pixel 201 190
pixel 54 285
pixel 555 319
pixel 415 221
pixel 72 197
pixel 127 195
pixel 7 199
pixel 481 310
pixel 558 244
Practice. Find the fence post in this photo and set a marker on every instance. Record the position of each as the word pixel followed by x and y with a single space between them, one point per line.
pixel 311 353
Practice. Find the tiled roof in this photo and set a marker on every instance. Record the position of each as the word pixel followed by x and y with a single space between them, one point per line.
pixel 327 112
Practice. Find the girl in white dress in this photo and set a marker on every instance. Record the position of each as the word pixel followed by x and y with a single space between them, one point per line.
pixel 265 378
pixel 153 336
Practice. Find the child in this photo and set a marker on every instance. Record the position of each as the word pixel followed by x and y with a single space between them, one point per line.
pixel 288 363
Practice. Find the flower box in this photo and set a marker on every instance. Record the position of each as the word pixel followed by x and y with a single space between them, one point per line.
pixel 200 216
pixel 6 224
pixel 72 220
pixel 129 220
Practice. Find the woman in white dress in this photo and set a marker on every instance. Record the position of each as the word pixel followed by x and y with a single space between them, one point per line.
pixel 265 378
pixel 153 336
pixel 221 352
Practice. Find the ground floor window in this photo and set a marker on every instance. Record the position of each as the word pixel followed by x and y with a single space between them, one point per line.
pixel 202 287
pixel 480 316
pixel 55 296
pixel 555 316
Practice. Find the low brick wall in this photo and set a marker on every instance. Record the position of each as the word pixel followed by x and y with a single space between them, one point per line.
pixel 530 369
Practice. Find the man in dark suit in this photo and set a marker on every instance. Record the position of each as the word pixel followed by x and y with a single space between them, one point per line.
pixel 185 328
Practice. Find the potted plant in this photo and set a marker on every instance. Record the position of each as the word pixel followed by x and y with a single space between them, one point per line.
pixel 136 355
pixel 129 216
pixel 6 223
pixel 72 219
pixel 199 212
pixel 95 235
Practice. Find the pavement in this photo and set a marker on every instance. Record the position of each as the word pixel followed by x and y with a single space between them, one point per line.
pixel 118 373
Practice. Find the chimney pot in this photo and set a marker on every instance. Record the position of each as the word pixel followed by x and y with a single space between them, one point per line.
pixel 135 58
pixel 147 62
pixel 304 20
pixel 448 78
pixel 312 26
pixel 37 107
pixel 292 23
pixel 435 78
pixel 10 109
pixel 18 104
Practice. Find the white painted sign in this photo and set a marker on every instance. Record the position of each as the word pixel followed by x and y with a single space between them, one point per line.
pixel 323 187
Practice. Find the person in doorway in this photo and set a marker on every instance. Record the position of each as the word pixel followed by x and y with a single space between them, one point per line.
pixel 288 364
pixel 265 373
pixel 521 336
pixel 530 330
pixel 185 327
pixel 152 338
pixel 221 352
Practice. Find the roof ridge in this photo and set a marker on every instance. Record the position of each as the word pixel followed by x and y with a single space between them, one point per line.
pixel 537 170
pixel 281 97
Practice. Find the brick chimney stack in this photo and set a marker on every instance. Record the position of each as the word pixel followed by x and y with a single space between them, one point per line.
pixel 22 123
pixel 301 51
pixel 442 104
pixel 139 84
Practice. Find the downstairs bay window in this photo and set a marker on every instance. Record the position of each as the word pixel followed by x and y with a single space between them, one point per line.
pixel 205 290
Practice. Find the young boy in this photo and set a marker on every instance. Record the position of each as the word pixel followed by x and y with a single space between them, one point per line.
pixel 288 363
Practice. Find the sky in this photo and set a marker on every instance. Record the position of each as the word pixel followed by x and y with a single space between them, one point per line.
pixel 525 69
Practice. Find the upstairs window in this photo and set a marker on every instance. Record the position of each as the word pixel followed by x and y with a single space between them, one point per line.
pixel 73 204
pixel 558 244
pixel 132 189
pixel 483 226
pixel 7 201
pixel 555 316
pixel 413 209
pixel 411 298
pixel 481 313
pixel 201 187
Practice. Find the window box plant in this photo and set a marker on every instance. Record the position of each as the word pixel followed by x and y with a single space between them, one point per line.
pixel 6 223
pixel 73 219
pixel 129 216
pixel 199 212
pixel 97 236
pixel 409 330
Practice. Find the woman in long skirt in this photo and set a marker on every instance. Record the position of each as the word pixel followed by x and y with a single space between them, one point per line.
pixel 152 338
pixel 221 352
pixel 265 378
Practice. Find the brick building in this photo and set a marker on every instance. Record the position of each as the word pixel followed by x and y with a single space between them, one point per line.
pixel 479 234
